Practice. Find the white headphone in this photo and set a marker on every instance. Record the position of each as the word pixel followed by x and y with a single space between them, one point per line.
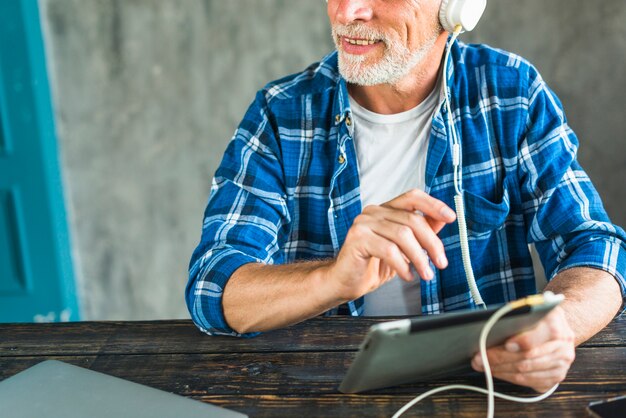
pixel 457 16
pixel 466 13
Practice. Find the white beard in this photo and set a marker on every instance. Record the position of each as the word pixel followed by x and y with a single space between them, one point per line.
pixel 397 60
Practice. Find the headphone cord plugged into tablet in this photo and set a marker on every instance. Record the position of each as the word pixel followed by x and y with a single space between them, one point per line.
pixel 458 180
pixel 491 394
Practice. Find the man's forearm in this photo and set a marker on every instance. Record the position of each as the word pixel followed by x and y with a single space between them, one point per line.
pixel 381 243
pixel 592 298
pixel 263 297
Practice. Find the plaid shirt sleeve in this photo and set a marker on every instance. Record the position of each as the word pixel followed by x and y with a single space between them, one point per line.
pixel 245 220
pixel 563 211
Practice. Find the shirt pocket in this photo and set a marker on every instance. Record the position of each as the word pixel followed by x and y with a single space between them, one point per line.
pixel 484 216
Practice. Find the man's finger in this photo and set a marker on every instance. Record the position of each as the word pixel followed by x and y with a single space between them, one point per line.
pixel 435 225
pixel 496 355
pixel 550 357
pixel 386 250
pixel 404 237
pixel 541 381
pixel 417 200
pixel 422 232
pixel 554 326
pixel 528 340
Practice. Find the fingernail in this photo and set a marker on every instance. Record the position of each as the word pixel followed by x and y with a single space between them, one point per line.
pixel 429 273
pixel 479 362
pixel 512 347
pixel 446 212
pixel 442 261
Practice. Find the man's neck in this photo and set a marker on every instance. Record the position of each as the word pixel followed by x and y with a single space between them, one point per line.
pixel 408 92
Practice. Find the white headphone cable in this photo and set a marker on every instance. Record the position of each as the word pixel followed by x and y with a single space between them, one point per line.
pixel 491 394
pixel 458 181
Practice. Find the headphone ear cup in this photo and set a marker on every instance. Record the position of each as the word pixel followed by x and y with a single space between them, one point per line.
pixel 443 16
pixel 466 13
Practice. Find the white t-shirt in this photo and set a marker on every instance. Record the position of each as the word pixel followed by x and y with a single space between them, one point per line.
pixel 391 152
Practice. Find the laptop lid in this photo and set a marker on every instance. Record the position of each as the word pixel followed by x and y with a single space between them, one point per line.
pixel 54 389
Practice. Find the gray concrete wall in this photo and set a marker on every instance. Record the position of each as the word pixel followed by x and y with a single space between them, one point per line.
pixel 147 94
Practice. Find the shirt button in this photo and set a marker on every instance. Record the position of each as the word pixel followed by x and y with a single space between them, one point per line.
pixel 348 121
pixel 341 159
pixel 338 118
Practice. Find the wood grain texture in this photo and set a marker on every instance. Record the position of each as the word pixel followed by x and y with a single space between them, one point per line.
pixel 176 337
pixel 290 372
pixel 562 404
pixel 297 373
pixel 158 337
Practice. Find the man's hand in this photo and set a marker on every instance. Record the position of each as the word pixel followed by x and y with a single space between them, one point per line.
pixel 539 358
pixel 384 240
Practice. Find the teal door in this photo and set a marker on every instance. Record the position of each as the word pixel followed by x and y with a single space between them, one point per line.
pixel 36 278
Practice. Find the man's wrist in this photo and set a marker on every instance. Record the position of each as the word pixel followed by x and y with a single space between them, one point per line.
pixel 332 291
pixel 587 290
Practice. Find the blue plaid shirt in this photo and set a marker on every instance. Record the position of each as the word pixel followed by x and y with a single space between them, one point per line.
pixel 288 186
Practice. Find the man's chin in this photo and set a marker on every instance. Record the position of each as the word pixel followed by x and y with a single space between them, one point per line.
pixel 355 71
pixel 364 75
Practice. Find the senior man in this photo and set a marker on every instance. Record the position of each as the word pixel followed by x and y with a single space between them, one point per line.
pixel 335 194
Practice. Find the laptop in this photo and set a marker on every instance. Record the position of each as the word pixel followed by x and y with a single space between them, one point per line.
pixel 54 389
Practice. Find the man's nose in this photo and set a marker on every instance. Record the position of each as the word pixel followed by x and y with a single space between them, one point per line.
pixel 349 11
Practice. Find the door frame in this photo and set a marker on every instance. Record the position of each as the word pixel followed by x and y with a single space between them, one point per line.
pixel 26 67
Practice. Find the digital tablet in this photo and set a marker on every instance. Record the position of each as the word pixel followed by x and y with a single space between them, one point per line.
pixel 421 348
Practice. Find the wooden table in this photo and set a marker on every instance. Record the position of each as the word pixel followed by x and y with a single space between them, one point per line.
pixel 293 372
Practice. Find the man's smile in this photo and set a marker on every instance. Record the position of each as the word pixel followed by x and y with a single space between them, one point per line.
pixel 358 45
